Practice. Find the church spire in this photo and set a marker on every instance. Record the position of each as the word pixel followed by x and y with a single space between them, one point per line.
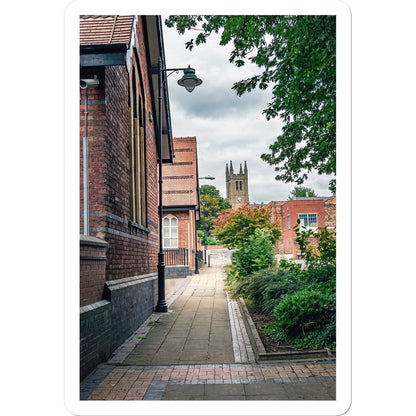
pixel 231 168
pixel 245 168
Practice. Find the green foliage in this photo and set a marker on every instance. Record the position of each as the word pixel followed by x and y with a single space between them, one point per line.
pixel 301 312
pixel 215 205
pixel 207 240
pixel 255 254
pixel 268 288
pixel 236 227
pixel 305 319
pixel 301 299
pixel 297 56
pixel 301 191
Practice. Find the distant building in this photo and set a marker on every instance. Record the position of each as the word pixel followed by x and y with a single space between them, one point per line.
pixel 313 213
pixel 181 208
pixel 237 186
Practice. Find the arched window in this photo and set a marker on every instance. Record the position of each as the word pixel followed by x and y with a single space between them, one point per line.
pixel 241 185
pixel 170 232
pixel 138 206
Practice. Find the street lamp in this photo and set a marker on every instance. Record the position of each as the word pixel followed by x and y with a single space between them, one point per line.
pixel 205 239
pixel 209 177
pixel 189 80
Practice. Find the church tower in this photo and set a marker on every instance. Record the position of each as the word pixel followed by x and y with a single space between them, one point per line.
pixel 237 185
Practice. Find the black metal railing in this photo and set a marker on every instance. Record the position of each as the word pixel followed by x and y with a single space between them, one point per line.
pixel 176 256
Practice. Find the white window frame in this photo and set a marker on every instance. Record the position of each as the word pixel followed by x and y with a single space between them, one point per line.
pixel 308 220
pixel 168 232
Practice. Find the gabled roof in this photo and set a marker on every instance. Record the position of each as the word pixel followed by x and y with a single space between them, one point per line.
pixel 106 40
pixel 180 179
pixel 105 29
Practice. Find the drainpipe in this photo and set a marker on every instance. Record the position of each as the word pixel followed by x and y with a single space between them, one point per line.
pixel 85 84
pixel 86 176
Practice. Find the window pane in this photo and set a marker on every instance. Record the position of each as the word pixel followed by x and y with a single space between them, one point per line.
pixel 303 220
pixel 174 232
pixel 166 222
pixel 313 221
pixel 174 222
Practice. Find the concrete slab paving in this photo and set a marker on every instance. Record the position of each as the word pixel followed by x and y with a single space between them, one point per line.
pixel 199 350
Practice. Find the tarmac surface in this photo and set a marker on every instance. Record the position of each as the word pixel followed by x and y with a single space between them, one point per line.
pixel 199 350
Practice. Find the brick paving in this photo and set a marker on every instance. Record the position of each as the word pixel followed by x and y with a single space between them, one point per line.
pixel 199 350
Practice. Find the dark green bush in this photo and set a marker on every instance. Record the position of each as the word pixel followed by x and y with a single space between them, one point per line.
pixel 269 287
pixel 305 318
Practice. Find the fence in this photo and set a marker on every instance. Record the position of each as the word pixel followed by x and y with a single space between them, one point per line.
pixel 179 257
pixel 176 256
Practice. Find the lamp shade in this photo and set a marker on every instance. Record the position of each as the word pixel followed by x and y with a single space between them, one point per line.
pixel 189 79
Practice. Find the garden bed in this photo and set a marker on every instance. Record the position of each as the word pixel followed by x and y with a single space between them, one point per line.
pixel 267 349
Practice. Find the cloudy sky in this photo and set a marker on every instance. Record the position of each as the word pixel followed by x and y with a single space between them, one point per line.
pixel 227 127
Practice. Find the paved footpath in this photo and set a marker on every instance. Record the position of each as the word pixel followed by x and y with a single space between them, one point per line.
pixel 200 350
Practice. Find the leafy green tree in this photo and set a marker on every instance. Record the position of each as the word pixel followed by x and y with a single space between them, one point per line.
pixel 302 191
pixel 297 55
pixel 236 227
pixel 215 204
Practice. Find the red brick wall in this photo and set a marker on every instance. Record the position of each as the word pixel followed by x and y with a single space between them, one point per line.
pixel 132 249
pixel 293 208
pixel 92 269
pixel 96 126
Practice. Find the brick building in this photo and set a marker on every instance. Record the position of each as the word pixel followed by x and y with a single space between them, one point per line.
pixel 319 212
pixel 118 178
pixel 181 208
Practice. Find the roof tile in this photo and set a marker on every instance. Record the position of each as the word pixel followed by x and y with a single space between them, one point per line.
pixel 105 29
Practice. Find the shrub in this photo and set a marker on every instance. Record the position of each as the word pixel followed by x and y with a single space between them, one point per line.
pixel 269 287
pixel 305 318
pixel 255 254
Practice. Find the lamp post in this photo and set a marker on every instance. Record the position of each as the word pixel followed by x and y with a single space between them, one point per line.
pixel 211 178
pixel 205 239
pixel 189 80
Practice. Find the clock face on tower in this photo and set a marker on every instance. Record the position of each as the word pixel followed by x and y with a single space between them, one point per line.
pixel 239 199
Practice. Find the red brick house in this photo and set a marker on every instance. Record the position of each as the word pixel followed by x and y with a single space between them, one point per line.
pixel 313 213
pixel 118 178
pixel 181 208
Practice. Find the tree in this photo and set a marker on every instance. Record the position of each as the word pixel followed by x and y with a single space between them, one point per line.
pixel 301 192
pixel 298 57
pixel 215 204
pixel 234 228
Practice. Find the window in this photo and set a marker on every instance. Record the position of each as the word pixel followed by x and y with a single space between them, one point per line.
pixel 288 222
pixel 241 185
pixel 284 223
pixel 170 232
pixel 236 185
pixel 308 220
pixel 138 206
